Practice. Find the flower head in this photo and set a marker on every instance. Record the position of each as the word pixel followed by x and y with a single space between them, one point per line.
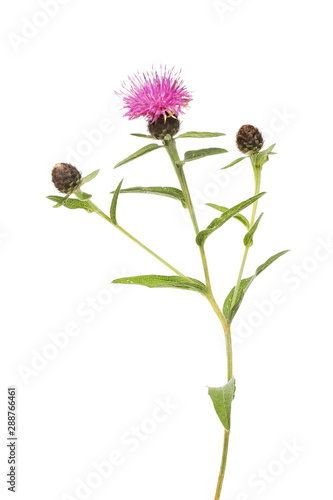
pixel 154 94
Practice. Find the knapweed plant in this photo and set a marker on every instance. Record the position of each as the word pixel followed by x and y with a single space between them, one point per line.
pixel 160 98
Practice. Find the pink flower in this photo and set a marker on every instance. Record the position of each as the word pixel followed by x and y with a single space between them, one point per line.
pixel 153 94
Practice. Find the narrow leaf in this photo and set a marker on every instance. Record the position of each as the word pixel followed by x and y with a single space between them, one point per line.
pixel 201 153
pixel 197 135
pixel 243 286
pixel 81 195
pixel 170 192
pixel 143 135
pixel 248 238
pixel 60 200
pixel 222 398
pixel 89 177
pixel 239 217
pixel 269 261
pixel 71 203
pixel 261 158
pixel 229 312
pixel 217 223
pixel 113 207
pixel 234 162
pixel 140 152
pixel 156 281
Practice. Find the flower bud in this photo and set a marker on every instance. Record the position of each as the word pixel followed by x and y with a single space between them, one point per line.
pixel 163 126
pixel 65 177
pixel 249 139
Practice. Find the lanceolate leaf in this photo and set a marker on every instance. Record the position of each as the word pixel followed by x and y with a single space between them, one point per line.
pixel 156 281
pixel 239 217
pixel 114 202
pixel 143 135
pixel 217 223
pixel 222 398
pixel 229 312
pixel 140 152
pixel 170 192
pixel 248 238
pixel 201 153
pixel 89 177
pixel 234 162
pixel 261 158
pixel 197 135
pixel 71 203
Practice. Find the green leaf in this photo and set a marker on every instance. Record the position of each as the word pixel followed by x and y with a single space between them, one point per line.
pixel 89 177
pixel 114 202
pixel 81 195
pixel 243 286
pixel 234 162
pixel 60 200
pixel 229 312
pixel 261 158
pixel 156 281
pixel 140 152
pixel 71 203
pixel 217 223
pixel 201 153
pixel 170 192
pixel 197 135
pixel 248 238
pixel 269 261
pixel 222 398
pixel 143 135
pixel 239 217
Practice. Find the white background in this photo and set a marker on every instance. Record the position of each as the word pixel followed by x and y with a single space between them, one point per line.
pixel 246 61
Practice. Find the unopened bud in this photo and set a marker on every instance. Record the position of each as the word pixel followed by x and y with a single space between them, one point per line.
pixel 249 139
pixel 65 177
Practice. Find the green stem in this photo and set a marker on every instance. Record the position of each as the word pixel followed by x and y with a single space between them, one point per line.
pixel 223 465
pixel 99 212
pixel 228 343
pixel 170 146
pixel 257 178
pixel 227 334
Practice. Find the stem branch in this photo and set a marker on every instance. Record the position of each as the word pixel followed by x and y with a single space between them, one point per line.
pixel 99 212
pixel 257 177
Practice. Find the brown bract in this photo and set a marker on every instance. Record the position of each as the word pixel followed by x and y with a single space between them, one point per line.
pixel 249 139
